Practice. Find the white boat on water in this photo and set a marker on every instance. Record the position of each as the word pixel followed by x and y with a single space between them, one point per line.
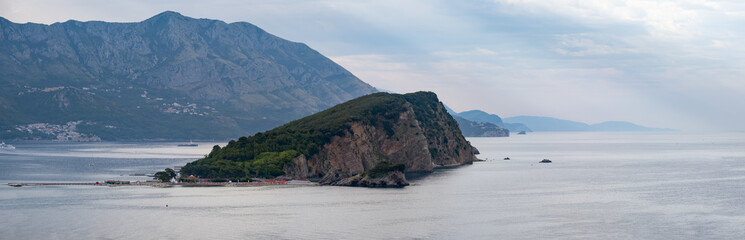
pixel 6 146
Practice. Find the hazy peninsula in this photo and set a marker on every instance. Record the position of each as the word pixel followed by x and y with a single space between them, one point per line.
pixel 549 124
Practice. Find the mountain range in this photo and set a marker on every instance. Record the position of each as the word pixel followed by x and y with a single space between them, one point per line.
pixel 549 124
pixel 169 76
pixel 176 77
pixel 541 124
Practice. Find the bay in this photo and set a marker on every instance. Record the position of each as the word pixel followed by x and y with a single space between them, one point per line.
pixel 600 186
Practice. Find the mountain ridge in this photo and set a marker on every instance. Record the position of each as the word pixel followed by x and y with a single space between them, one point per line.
pixel 230 78
pixel 550 124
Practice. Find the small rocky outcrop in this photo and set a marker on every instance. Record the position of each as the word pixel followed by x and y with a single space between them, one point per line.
pixel 475 151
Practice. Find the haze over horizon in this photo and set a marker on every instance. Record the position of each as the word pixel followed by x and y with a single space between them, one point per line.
pixel 668 64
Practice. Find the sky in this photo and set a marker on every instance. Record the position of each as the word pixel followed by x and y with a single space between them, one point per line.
pixel 669 64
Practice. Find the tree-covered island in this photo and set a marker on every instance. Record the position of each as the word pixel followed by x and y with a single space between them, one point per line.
pixel 376 137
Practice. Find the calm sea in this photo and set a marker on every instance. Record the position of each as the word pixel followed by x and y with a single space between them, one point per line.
pixel 599 186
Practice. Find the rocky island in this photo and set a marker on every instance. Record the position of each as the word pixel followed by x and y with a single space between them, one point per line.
pixel 368 141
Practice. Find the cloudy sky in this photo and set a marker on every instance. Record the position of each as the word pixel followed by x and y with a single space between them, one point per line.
pixel 674 64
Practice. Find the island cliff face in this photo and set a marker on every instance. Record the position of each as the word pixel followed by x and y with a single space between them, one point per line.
pixel 413 130
pixel 364 145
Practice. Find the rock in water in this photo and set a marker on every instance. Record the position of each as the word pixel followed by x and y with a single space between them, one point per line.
pixel 475 151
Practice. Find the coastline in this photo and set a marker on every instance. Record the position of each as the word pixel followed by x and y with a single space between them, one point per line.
pixel 167 184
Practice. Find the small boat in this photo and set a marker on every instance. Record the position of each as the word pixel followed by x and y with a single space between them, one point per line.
pixel 190 144
pixel 6 146
pixel 521 133
pixel 545 161
pixel 507 158
pixel 15 185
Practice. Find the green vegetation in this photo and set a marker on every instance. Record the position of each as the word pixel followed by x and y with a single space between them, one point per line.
pixel 383 168
pixel 265 154
pixel 165 176
pixel 219 180
pixel 265 165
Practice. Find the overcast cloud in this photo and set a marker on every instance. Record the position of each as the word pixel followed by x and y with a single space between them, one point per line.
pixel 675 64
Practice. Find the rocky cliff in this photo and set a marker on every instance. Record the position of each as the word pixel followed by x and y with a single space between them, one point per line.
pixel 339 146
pixel 161 77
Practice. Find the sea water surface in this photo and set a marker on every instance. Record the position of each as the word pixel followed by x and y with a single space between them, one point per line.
pixel 599 186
